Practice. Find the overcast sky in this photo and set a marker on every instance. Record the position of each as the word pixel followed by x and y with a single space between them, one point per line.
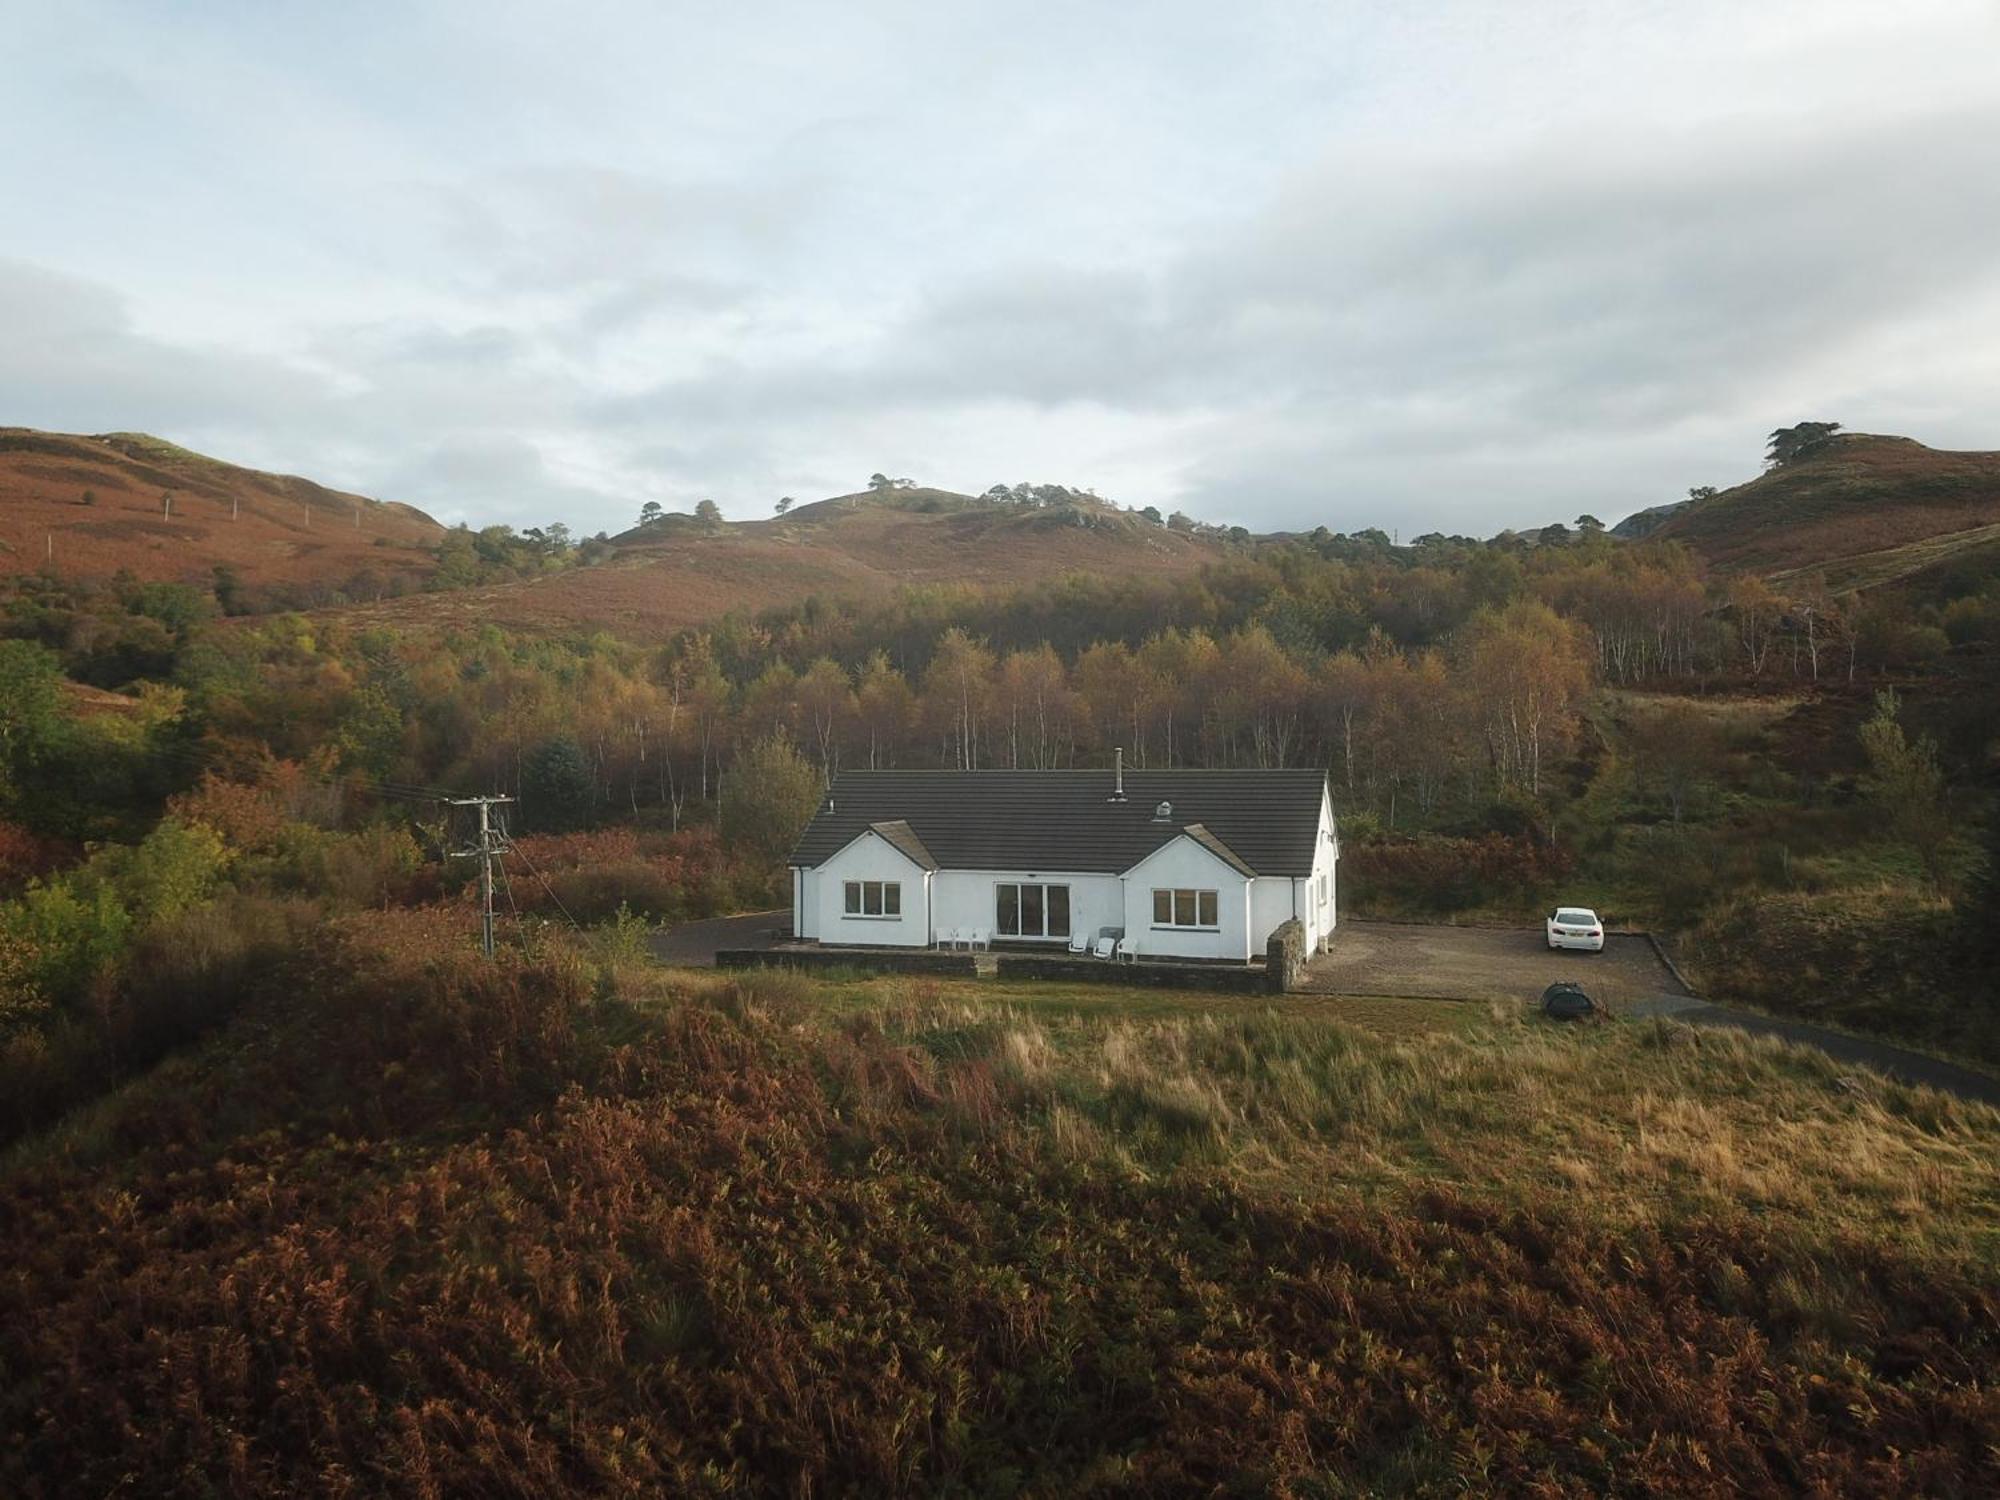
pixel 1453 266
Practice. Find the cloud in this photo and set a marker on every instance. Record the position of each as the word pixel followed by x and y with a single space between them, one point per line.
pixel 1393 330
pixel 1466 268
pixel 72 354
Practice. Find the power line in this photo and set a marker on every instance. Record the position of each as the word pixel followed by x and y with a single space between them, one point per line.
pixel 492 844
pixel 195 757
pixel 516 849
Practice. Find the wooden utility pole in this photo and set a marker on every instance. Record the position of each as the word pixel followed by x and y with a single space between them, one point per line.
pixel 492 844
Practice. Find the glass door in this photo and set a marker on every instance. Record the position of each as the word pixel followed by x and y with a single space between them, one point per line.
pixel 1031 910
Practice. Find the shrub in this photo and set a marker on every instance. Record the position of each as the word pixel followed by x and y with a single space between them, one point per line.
pixel 187 971
pixel 370 867
pixel 663 876
pixel 25 855
pixel 249 818
pixel 68 937
pixel 1429 874
pixel 176 866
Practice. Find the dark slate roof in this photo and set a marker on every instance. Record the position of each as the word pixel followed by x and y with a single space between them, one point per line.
pixel 901 836
pixel 1200 834
pixel 1260 822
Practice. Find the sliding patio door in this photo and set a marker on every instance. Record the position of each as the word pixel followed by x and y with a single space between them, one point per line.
pixel 1025 909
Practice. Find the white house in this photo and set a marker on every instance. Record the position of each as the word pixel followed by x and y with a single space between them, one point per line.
pixel 1183 864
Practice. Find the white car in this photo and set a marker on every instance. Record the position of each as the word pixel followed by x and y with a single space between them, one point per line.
pixel 1576 927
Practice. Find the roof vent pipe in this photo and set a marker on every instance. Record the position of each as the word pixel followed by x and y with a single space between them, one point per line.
pixel 1118 785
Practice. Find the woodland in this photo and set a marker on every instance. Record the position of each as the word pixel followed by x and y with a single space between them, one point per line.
pixel 308 1196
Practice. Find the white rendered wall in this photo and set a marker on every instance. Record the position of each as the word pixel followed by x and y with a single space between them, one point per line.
pixel 964 898
pixel 1184 864
pixel 1271 908
pixel 1326 861
pixel 869 858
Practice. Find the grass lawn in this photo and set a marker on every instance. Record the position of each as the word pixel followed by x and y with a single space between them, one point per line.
pixel 1381 1096
pixel 1388 1016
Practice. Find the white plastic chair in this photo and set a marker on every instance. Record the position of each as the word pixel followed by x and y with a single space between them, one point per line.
pixel 1128 950
pixel 1107 947
pixel 1079 943
pixel 979 937
pixel 948 937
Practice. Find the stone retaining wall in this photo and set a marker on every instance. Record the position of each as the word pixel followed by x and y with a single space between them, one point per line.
pixel 1150 974
pixel 872 960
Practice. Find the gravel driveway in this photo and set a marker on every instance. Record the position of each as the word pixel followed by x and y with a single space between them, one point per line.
pixel 694 943
pixel 1487 963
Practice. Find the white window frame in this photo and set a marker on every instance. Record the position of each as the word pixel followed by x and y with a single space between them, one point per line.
pixel 1196 896
pixel 857 895
pixel 1044 886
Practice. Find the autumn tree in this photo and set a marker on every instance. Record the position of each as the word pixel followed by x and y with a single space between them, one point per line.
pixel 771 702
pixel 30 712
pixel 1907 786
pixel 768 797
pixel 825 706
pixel 1757 611
pixel 1119 694
pixel 956 689
pixel 1346 694
pixel 1527 670
pixel 1033 699
pixel 1681 751
pixel 885 706
pixel 1814 609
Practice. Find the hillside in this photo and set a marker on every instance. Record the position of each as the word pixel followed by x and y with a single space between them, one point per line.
pixel 414 1223
pixel 1643 523
pixel 677 572
pixel 1860 495
pixel 92 506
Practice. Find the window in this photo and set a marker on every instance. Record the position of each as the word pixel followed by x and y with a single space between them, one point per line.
pixel 1031 911
pixel 874 898
pixel 1185 908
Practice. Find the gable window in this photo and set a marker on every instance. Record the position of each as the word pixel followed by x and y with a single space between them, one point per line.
pixel 1185 908
pixel 1030 911
pixel 874 898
